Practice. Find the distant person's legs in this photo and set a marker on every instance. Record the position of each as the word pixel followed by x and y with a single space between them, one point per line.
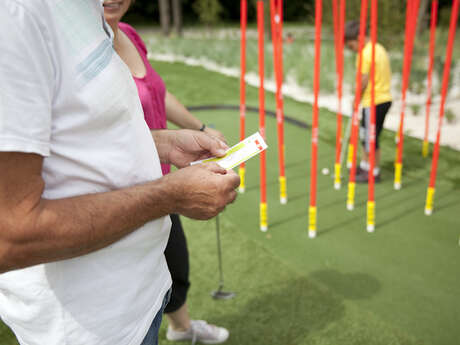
pixel 363 170
pixel 181 327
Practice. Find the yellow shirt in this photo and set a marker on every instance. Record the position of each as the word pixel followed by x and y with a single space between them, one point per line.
pixel 382 74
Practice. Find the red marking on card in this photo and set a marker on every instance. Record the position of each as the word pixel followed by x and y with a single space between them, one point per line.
pixel 259 147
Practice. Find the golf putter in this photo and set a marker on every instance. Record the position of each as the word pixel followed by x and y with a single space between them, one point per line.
pixel 345 139
pixel 220 293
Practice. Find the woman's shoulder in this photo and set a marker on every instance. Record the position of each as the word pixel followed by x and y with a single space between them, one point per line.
pixel 133 35
pixel 126 28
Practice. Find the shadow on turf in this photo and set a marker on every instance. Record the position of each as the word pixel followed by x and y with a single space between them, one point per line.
pixel 349 285
pixel 382 221
pixel 386 202
pixel 445 205
pixel 286 314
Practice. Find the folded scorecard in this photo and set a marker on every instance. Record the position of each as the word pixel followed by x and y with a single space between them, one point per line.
pixel 239 153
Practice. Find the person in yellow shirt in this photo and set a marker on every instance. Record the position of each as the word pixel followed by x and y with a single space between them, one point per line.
pixel 382 95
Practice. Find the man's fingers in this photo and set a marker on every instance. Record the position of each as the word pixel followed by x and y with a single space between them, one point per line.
pixel 218 147
pixel 216 134
pixel 215 168
pixel 210 188
pixel 213 145
pixel 231 197
pixel 223 147
pixel 233 179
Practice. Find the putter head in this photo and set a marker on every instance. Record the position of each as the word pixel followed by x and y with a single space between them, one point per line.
pixel 219 294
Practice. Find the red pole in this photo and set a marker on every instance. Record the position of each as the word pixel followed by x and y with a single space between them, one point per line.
pixel 411 17
pixel 371 196
pixel 263 181
pixel 273 13
pixel 434 15
pixel 276 23
pixel 352 149
pixel 315 122
pixel 281 115
pixel 339 39
pixel 243 22
pixel 279 9
pixel 409 4
pixel 335 22
pixel 445 84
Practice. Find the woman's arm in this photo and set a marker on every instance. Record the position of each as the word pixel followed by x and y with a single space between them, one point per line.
pixel 181 117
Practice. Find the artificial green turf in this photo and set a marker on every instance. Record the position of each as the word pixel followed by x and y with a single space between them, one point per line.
pixel 405 275
pixel 397 286
pixel 275 304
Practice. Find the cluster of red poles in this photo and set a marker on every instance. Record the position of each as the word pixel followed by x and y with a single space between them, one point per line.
pixel 276 15
pixel 338 7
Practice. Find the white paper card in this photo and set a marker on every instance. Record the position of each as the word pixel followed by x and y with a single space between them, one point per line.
pixel 239 153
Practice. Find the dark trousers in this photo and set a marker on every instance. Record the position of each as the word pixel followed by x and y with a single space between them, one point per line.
pixel 381 111
pixel 176 253
pixel 152 335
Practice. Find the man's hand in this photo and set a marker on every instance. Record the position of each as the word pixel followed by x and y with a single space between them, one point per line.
pixel 181 147
pixel 202 191
pixel 215 133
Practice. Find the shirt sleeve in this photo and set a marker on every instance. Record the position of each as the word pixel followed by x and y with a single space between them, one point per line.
pixel 26 81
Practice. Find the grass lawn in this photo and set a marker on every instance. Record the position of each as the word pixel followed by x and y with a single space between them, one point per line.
pixel 397 286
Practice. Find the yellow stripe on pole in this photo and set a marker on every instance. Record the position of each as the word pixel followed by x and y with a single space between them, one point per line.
pixel 312 222
pixel 242 172
pixel 283 190
pixel 429 201
pixel 398 173
pixel 263 217
pixel 351 196
pixel 337 180
pixel 350 156
pixel 425 148
pixel 370 216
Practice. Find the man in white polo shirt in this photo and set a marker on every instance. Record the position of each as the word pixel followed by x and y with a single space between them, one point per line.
pixel 83 205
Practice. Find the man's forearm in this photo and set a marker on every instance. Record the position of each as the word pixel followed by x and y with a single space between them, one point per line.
pixel 62 229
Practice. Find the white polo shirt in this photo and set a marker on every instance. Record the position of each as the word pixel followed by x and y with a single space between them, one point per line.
pixel 65 95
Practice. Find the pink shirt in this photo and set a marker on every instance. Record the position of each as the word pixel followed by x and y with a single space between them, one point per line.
pixel 151 88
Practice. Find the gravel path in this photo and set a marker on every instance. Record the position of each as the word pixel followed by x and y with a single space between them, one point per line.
pixel 414 124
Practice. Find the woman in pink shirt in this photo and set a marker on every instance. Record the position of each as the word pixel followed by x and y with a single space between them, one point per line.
pixel 159 106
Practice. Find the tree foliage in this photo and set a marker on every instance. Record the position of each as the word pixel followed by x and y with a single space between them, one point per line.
pixel 391 16
pixel 208 11
pixel 147 11
pixel 391 12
